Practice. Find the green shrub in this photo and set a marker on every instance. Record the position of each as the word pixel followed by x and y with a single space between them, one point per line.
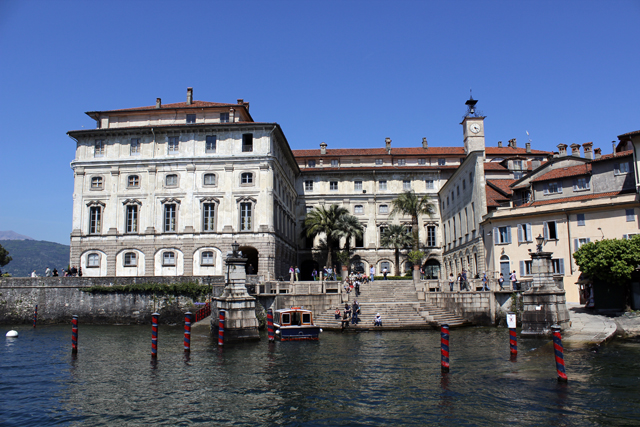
pixel 189 289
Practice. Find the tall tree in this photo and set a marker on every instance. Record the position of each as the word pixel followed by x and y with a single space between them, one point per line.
pixel 323 220
pixel 409 203
pixel 348 227
pixel 4 257
pixel 397 237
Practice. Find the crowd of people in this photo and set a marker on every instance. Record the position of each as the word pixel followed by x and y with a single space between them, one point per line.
pixel 351 315
pixel 71 272
pixel 463 282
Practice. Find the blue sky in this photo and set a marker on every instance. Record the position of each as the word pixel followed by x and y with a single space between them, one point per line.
pixel 348 73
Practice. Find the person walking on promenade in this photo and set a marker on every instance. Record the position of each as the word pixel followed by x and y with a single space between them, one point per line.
pixel 378 320
pixel 501 282
pixel 513 280
pixel 297 270
pixel 464 280
pixel 485 286
pixel 47 272
pixel 459 280
pixel 33 274
pixel 291 274
pixel 55 273
pixel 335 273
pixel 372 271
pixel 314 274
pixel 451 280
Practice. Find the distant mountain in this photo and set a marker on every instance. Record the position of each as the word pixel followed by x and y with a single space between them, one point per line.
pixel 12 235
pixel 29 255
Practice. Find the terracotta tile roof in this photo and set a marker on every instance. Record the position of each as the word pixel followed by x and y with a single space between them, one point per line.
pixel 204 125
pixel 382 152
pixel 494 198
pixel 509 151
pixel 502 185
pixel 565 172
pixel 611 156
pixel 575 198
pixel 368 168
pixel 194 104
pixel 494 166
pixel 637 132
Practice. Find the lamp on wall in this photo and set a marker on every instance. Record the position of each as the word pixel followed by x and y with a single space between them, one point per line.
pixel 539 241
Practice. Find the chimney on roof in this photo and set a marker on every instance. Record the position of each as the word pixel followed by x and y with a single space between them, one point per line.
pixel 598 153
pixel 387 143
pixel 528 145
pixel 323 148
pixel 499 144
pixel 240 101
pixel 588 150
pixel 575 150
pixel 513 143
pixel 424 143
pixel 562 150
pixel 189 95
pixel 158 103
pixel 613 145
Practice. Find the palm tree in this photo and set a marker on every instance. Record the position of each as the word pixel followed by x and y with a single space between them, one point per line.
pixel 397 237
pixel 324 221
pixel 409 203
pixel 348 227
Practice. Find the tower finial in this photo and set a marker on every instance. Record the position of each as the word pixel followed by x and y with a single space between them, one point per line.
pixel 471 105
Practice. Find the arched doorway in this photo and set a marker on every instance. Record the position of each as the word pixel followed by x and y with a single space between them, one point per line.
pixel 504 266
pixel 306 269
pixel 432 269
pixel 251 254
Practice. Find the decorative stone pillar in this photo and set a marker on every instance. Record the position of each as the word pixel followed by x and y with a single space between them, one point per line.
pixel 545 303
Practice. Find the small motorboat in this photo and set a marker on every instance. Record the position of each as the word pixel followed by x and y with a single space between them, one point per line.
pixel 12 334
pixel 295 324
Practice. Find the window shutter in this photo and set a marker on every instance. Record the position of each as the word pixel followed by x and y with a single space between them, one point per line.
pixel 545 188
pixel 520 237
pixel 588 183
pixel 575 185
pixel 561 265
pixel 616 168
pixel 625 236
pixel 496 237
pixel 522 269
pixel 588 240
pixel 508 234
pixel 529 236
pixel 559 186
pixel 546 230
pixel 576 244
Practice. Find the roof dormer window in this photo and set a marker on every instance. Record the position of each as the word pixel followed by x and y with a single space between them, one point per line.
pixel 191 118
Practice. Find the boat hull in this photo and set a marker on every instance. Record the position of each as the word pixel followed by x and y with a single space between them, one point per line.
pixel 293 333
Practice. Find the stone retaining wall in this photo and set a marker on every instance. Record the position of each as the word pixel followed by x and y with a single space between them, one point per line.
pixel 477 307
pixel 59 298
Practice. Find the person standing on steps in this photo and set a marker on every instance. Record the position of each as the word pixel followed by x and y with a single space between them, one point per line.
pixel 451 280
pixel 513 281
pixel 464 280
pixel 372 271
pixel 501 282
pixel 384 273
pixel 378 320
pixel 297 270
pixel 485 286
pixel 291 274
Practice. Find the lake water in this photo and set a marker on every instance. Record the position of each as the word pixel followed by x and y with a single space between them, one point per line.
pixel 374 378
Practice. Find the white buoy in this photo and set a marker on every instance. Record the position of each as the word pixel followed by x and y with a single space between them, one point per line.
pixel 12 334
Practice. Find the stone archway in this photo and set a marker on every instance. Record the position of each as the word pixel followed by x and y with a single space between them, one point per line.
pixel 306 269
pixel 251 254
pixel 432 269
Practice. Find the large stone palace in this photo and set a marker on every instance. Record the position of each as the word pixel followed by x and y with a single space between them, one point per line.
pixel 166 189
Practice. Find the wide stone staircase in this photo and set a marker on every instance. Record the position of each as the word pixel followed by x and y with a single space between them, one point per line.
pixel 398 305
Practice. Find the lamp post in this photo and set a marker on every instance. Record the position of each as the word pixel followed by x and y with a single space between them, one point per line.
pixel 540 242
pixel 234 247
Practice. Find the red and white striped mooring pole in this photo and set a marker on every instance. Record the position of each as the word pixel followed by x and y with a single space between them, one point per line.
pixel 270 324
pixel 187 332
pixel 154 335
pixel 559 352
pixel 74 334
pixel 221 328
pixel 513 337
pixel 444 348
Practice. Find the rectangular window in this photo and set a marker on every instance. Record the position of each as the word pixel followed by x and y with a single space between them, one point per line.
pixel 135 146
pixel 247 142
pixel 308 209
pixel 207 258
pixel 382 231
pixel 526 268
pixel 518 174
pixel 580 218
pixel 517 164
pixel 382 185
pixel 631 215
pixel 333 185
pixel 357 185
pixel 168 258
pixel 442 162
pixel 384 265
pixel 552 188
pixel 384 209
pixel 406 185
pixel 358 210
pixel 211 143
pixel 174 145
pixel 379 162
pixel 130 259
pixel 96 182
pixel 629 236
pixel 98 148
pixel 550 230
pixel 308 185
pixel 132 219
pixel 334 163
pixel 170 216
pixel 431 235
pixel 224 117
pixel 430 185
pixel 501 235
pixel 422 161
pixel 621 168
pixel 464 184
pixel 470 177
pixel 133 181
pixel 524 233
pixel 191 118
pixel 95 219
pixel 453 196
pixel 209 179
pixel 171 180
pixel 93 260
pixel 580 184
pixel 457 190
pixel 245 216
pixel 311 163
pixel 577 243
pixel 246 178
pixel 558 266
pixel 402 162
pixel 208 217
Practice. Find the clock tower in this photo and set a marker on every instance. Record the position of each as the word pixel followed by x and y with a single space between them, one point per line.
pixel 473 128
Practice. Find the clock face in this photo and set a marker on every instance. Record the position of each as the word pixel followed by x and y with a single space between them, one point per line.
pixel 475 128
